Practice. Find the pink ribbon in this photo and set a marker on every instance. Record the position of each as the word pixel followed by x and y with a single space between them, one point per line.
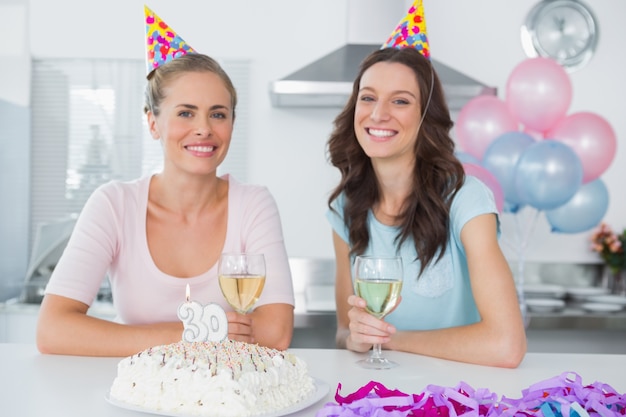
pixel 560 396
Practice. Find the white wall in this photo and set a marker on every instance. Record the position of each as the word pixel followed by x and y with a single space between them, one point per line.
pixel 15 53
pixel 280 36
pixel 487 46
pixel 14 146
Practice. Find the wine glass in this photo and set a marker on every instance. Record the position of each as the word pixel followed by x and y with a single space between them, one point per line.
pixel 378 280
pixel 241 278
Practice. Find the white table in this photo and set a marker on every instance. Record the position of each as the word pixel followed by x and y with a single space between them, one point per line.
pixel 35 385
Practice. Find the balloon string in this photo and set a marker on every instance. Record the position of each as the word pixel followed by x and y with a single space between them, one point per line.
pixel 521 255
pixel 530 229
pixel 522 239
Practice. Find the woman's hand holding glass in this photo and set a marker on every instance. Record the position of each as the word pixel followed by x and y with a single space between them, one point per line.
pixel 377 282
pixel 241 278
pixel 365 329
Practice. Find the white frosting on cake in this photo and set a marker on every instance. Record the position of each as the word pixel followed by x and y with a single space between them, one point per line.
pixel 227 378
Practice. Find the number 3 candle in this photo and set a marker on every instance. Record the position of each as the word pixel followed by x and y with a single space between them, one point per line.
pixel 202 323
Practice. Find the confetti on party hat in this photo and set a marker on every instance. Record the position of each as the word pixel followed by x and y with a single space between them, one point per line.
pixel 411 31
pixel 162 43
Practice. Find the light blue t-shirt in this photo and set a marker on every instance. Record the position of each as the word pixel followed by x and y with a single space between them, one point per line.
pixel 442 296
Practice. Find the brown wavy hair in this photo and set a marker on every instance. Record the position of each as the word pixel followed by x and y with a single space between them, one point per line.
pixel 437 174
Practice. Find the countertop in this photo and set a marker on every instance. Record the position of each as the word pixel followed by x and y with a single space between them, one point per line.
pixel 66 386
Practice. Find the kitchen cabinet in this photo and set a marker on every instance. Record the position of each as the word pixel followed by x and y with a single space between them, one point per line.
pixel 569 331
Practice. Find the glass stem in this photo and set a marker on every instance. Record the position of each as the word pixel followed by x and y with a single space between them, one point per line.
pixel 376 351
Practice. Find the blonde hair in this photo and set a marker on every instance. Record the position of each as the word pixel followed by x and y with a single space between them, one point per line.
pixel 161 76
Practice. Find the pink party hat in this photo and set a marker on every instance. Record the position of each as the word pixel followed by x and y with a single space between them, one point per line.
pixel 411 31
pixel 162 43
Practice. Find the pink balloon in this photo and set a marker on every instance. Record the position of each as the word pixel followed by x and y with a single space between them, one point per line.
pixel 591 137
pixel 533 134
pixel 480 121
pixel 538 93
pixel 489 180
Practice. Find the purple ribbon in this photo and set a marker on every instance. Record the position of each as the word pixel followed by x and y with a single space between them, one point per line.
pixel 560 396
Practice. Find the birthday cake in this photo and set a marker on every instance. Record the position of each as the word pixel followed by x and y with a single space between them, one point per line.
pixel 226 378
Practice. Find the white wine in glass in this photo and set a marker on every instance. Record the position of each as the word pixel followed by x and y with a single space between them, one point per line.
pixel 241 278
pixel 378 280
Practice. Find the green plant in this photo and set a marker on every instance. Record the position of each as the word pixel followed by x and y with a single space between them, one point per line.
pixel 610 247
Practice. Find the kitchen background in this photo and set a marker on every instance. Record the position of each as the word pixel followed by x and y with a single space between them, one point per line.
pixel 286 146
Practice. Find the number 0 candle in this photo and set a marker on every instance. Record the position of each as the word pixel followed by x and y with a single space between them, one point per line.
pixel 206 323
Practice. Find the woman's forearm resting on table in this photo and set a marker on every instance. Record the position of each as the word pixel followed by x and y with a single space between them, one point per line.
pixel 65 328
pixel 474 343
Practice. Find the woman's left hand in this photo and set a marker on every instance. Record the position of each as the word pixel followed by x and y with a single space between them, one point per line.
pixel 240 327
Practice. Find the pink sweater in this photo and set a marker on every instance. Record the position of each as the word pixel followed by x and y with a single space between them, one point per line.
pixel 110 238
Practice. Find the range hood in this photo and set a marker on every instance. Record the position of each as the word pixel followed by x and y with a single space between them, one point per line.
pixel 327 82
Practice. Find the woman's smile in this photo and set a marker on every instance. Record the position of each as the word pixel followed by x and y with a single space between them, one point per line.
pixel 201 150
pixel 380 134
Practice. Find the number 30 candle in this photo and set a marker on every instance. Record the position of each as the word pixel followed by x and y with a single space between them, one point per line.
pixel 202 323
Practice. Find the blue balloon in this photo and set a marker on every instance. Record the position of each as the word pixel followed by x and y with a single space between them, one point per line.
pixel 466 158
pixel 501 157
pixel 511 207
pixel 582 212
pixel 548 174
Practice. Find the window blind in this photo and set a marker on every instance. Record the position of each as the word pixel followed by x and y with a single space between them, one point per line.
pixel 88 128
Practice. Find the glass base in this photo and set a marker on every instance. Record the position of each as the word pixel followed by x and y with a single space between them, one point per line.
pixel 376 363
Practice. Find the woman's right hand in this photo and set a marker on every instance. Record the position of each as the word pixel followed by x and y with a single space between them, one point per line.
pixel 365 329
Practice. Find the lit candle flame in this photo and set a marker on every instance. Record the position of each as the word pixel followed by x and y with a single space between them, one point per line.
pixel 187 293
